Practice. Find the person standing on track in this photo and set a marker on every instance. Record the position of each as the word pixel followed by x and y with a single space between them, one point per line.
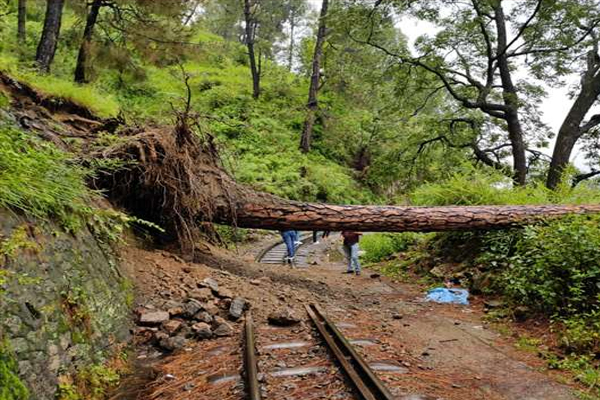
pixel 351 239
pixel 289 238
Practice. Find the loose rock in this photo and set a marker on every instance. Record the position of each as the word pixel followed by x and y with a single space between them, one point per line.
pixel 210 283
pixel 153 317
pixel 225 293
pixel 224 330
pixel 171 326
pixel 203 316
pixel 191 308
pixel 173 343
pixel 283 318
pixel 210 307
pixel 202 330
pixel 204 294
pixel 238 305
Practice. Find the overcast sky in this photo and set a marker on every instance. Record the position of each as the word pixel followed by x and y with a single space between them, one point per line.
pixel 554 108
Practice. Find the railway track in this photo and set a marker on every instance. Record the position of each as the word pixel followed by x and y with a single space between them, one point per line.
pixel 331 369
pixel 276 253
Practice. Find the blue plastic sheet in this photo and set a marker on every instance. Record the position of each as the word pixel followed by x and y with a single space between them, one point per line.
pixel 452 296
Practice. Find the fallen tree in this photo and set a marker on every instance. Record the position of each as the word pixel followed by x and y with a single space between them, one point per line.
pixel 176 180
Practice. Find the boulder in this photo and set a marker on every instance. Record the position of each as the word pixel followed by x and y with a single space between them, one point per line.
pixel 283 318
pixel 237 307
pixel 153 317
pixel 202 330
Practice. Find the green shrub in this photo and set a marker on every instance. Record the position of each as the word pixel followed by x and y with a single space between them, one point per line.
pixel 555 268
pixel 382 246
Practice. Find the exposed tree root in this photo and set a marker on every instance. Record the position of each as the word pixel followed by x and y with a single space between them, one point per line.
pixel 178 182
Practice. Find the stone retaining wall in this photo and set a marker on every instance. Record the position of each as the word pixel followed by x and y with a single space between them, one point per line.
pixel 64 301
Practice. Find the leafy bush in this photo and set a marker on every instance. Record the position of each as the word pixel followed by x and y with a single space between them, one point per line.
pixel 555 268
pixel 381 246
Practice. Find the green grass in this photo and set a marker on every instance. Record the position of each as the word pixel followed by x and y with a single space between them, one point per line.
pixel 89 96
pixel 40 180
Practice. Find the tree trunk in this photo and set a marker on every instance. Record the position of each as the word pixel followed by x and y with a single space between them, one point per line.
pixel 250 37
pixel 572 127
pixel 511 101
pixel 291 49
pixel 183 186
pixel 50 33
pixel 312 105
pixel 281 214
pixel 21 21
pixel 81 69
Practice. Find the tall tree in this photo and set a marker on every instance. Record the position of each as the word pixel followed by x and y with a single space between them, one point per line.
pixel 295 9
pixel 49 41
pixel 312 105
pixel 81 68
pixel 577 124
pixel 21 21
pixel 251 24
pixel 480 46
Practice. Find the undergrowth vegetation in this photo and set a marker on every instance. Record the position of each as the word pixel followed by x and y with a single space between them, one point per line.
pixel 40 180
pixel 382 246
pixel 11 386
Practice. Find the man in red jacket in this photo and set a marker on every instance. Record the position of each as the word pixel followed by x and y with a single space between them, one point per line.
pixel 351 249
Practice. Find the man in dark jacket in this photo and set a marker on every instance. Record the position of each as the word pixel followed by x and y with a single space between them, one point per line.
pixel 351 249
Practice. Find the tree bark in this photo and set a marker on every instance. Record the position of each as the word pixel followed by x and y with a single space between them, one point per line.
pixel 49 41
pixel 572 127
pixel 283 214
pixel 81 68
pixel 250 37
pixel 312 105
pixel 291 49
pixel 511 101
pixel 21 21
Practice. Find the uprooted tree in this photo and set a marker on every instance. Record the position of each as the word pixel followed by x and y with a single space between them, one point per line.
pixel 176 180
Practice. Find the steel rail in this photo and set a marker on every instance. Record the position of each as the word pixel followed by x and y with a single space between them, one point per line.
pixel 250 360
pixel 364 379
pixel 263 253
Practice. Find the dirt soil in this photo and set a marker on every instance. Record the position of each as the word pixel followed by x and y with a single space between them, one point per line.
pixel 434 351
